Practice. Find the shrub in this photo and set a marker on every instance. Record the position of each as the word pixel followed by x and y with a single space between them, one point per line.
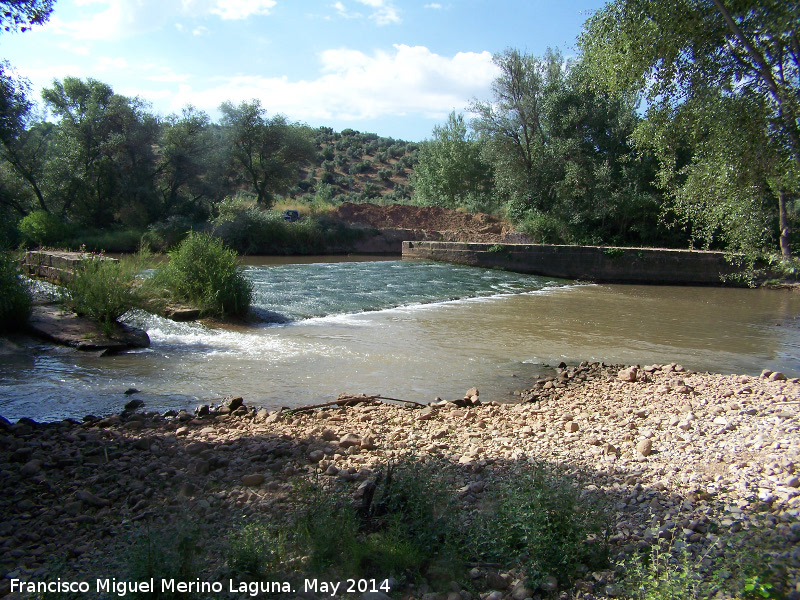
pixel 42 228
pixel 543 228
pixel 15 297
pixel 104 289
pixel 165 235
pixel 542 522
pixel 203 272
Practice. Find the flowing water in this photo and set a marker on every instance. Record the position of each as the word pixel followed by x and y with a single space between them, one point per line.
pixel 410 330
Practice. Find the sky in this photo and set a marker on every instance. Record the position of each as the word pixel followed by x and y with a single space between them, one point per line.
pixel 391 67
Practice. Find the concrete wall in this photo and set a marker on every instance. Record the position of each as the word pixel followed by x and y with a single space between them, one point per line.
pixel 590 263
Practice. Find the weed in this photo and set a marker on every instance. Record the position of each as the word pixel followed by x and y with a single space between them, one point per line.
pixel 15 296
pixel 540 522
pixel 104 289
pixel 615 252
pixel 170 554
pixel 257 549
pixel 497 248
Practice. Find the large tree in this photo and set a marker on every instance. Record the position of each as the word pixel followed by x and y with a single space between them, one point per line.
pixel 685 52
pixel 451 171
pixel 269 151
pixel 101 169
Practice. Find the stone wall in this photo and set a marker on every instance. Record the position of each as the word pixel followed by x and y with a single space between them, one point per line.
pixel 590 263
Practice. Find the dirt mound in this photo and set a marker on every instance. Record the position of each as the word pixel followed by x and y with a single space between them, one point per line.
pixel 427 218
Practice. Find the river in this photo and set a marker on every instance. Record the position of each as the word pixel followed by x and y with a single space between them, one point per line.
pixel 410 330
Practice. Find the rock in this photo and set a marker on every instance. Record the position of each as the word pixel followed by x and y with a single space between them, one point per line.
pixel 91 499
pixel 233 403
pixel 30 468
pixel 368 443
pixel 777 376
pixel 495 581
pixel 628 374
pixel 130 392
pixel 644 447
pixel 571 427
pixel 426 413
pixel 332 470
pixel 316 455
pixel 548 584
pixel 262 414
pixel 135 403
pixel 253 479
pixel 609 449
pixel 348 440
pixel 375 596
pixel 329 435
pixel 472 393
pixel 521 592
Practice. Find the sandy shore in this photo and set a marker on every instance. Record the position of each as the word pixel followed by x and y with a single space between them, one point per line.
pixel 705 460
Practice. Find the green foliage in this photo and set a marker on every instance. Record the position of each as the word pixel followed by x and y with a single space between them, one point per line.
pixel 268 152
pixel 118 240
pixel 15 296
pixel 451 171
pixel 165 235
pixel 41 228
pixel 104 289
pixel 724 96
pixel 406 526
pixel 257 550
pixel 206 274
pixel 543 228
pixel 541 522
pixel 170 553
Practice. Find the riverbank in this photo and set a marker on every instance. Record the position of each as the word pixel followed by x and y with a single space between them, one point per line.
pixel 703 462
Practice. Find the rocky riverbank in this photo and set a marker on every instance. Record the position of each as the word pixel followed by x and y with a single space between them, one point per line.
pixel 703 461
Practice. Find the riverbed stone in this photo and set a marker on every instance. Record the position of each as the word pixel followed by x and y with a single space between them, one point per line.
pixel 253 479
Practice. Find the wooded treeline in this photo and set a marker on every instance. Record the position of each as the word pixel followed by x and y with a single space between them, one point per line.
pixel 673 125
pixel 677 123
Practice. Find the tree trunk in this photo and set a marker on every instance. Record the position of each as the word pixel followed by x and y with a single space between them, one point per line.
pixel 784 225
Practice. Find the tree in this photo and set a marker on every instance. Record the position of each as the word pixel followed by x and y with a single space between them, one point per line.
pixel 186 151
pixel 102 164
pixel 19 15
pixel 451 171
pixel 677 51
pixel 514 124
pixel 268 151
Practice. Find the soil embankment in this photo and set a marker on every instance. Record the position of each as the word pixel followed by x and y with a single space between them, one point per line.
pixel 704 461
pixel 396 223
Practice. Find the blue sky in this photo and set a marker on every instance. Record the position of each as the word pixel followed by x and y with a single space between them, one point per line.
pixel 392 67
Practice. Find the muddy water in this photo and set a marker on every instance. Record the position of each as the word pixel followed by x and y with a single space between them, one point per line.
pixel 406 330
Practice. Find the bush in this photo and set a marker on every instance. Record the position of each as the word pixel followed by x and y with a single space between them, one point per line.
pixel 203 272
pixel 165 235
pixel 42 228
pixel 543 228
pixel 15 297
pixel 541 522
pixel 104 289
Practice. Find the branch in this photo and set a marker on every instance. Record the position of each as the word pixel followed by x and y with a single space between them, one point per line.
pixel 351 400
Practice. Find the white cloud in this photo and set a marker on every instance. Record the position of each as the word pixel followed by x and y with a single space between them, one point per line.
pixel 434 5
pixel 385 12
pixel 356 86
pixel 112 19
pixel 242 9
pixel 200 30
